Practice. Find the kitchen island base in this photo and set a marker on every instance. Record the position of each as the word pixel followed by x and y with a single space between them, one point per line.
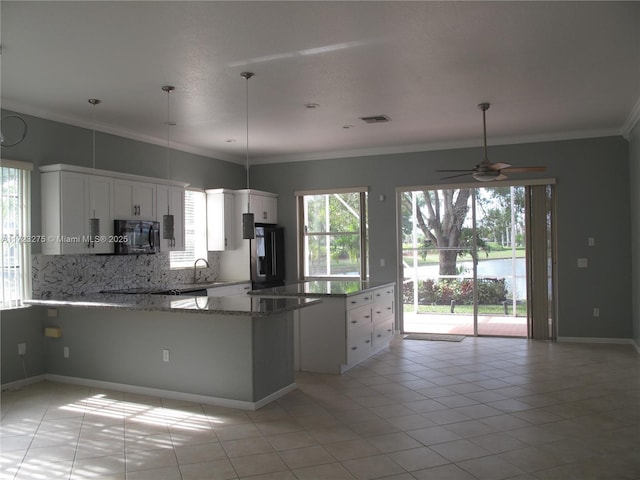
pixel 239 361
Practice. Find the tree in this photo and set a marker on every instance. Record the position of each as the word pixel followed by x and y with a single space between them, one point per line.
pixel 440 216
pixel 495 221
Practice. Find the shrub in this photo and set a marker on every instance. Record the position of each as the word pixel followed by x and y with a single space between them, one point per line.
pixel 491 291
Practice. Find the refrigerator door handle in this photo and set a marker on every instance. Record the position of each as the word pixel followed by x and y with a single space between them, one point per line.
pixel 274 254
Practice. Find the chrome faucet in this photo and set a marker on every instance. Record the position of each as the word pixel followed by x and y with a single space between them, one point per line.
pixel 195 264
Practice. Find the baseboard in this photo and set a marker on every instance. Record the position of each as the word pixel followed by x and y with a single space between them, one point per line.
pixel 613 341
pixel 170 394
pixel 275 395
pixel 18 384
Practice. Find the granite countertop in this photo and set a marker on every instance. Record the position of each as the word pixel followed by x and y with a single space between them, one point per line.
pixel 321 288
pixel 231 305
pixel 181 287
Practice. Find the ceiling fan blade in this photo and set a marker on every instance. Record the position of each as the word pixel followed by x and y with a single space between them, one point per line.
pixel 459 175
pixel 501 177
pixel 523 169
pixel 458 170
pixel 499 166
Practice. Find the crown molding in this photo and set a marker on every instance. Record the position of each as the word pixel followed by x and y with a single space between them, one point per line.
pixel 427 147
pixel 100 127
pixel 359 152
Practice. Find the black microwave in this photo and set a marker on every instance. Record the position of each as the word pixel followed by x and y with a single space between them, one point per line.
pixel 136 236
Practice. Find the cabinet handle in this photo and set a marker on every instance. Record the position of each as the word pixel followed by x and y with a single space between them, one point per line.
pixel 354 321
pixel 354 348
pixel 379 335
pixel 353 301
pixel 367 316
pixel 264 215
pixel 377 294
pixel 367 341
pixel 388 329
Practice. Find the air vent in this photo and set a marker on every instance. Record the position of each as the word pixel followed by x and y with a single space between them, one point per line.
pixel 376 119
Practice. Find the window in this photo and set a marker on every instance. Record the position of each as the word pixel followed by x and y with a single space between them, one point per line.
pixel 333 234
pixel 16 231
pixel 195 230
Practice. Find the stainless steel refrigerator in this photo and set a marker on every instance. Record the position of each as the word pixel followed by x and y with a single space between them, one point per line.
pixel 267 257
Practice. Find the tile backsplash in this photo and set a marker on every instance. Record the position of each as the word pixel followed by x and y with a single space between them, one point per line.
pixel 60 275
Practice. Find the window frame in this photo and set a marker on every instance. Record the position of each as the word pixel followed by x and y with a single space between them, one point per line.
pixel 21 238
pixel 176 263
pixel 363 233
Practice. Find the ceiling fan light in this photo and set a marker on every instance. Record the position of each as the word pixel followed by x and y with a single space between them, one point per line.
pixel 487 176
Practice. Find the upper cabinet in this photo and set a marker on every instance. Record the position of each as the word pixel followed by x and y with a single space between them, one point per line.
pixel 220 220
pixel 263 205
pixel 69 200
pixel 72 195
pixel 134 200
pixel 170 201
pixel 224 215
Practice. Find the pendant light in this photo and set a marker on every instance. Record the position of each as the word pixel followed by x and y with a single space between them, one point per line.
pixel 167 219
pixel 94 222
pixel 248 224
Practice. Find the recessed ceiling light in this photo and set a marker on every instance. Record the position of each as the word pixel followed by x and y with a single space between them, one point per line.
pixel 311 106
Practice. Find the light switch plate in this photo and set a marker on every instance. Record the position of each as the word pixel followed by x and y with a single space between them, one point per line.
pixel 583 263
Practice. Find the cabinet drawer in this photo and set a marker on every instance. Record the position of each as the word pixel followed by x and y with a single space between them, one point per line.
pixel 383 295
pixel 359 345
pixel 355 301
pixel 382 310
pixel 382 332
pixel 358 317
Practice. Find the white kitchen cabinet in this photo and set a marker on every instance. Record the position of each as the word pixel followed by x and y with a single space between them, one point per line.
pixel 229 290
pixel 69 200
pixel 134 200
pixel 71 195
pixel 341 332
pixel 170 200
pixel 263 205
pixel 221 221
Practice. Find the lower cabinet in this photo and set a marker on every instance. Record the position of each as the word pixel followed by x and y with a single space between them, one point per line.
pixel 341 332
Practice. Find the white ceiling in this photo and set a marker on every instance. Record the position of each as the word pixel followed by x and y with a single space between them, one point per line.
pixel 551 70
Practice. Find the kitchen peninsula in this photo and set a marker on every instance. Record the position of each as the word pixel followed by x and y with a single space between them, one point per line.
pixel 234 351
pixel 354 321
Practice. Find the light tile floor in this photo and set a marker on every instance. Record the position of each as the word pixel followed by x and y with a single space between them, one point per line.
pixel 484 408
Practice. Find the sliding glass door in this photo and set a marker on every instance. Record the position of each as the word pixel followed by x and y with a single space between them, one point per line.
pixel 465 260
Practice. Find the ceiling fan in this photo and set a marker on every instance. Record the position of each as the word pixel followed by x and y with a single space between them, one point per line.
pixel 486 171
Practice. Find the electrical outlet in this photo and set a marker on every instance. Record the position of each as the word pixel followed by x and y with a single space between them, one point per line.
pixel 22 349
pixel 596 312
pixel 65 352
pixel 165 355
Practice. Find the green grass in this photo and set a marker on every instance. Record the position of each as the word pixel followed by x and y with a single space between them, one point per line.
pixel 432 256
pixel 521 309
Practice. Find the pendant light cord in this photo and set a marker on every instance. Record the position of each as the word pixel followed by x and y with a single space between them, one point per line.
pixel 247 76
pixel 168 89
pixel 94 102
